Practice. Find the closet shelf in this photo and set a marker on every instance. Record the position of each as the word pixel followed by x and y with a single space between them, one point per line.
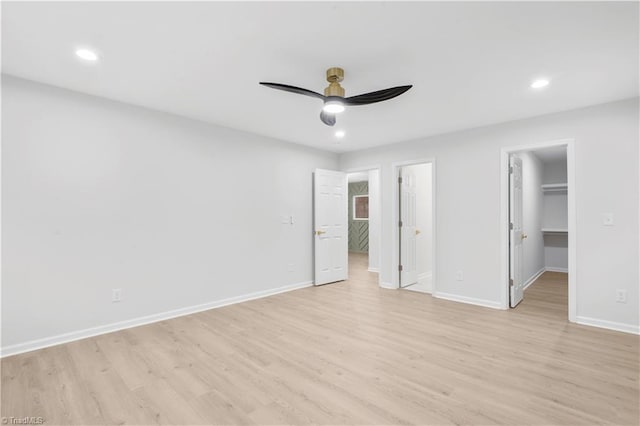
pixel 554 187
pixel 555 231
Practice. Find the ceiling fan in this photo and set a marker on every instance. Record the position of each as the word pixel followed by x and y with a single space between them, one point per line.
pixel 333 98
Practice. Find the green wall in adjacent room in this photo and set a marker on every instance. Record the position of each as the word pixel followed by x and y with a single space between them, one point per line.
pixel 358 229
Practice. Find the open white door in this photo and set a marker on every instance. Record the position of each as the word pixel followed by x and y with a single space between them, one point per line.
pixel 330 226
pixel 407 205
pixel 516 284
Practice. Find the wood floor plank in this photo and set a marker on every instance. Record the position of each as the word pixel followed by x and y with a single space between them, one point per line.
pixel 343 353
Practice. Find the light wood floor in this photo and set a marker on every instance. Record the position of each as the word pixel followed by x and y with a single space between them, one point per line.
pixel 345 353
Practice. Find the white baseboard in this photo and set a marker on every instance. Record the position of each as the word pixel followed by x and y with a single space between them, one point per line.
pixel 534 277
pixel 377 270
pixel 470 300
pixel 554 269
pixel 610 325
pixel 389 286
pixel 135 322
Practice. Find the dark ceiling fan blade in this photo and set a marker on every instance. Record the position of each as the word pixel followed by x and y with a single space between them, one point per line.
pixel 293 89
pixel 378 96
pixel 327 118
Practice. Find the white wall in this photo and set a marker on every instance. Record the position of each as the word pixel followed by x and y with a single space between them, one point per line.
pixel 374 220
pixel 99 195
pixel 555 171
pixel 556 251
pixel 468 206
pixel 532 208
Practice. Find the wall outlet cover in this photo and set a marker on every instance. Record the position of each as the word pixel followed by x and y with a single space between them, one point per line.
pixel 621 296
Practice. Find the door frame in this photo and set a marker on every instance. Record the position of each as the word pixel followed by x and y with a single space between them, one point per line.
pixel 377 167
pixel 395 218
pixel 571 208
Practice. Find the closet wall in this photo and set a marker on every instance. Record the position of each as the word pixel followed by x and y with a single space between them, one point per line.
pixel 532 207
pixel 555 215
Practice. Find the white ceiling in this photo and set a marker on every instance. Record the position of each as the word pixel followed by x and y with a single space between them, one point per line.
pixel 470 63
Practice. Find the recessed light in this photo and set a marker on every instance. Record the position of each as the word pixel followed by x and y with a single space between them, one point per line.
pixel 340 134
pixel 87 55
pixel 540 83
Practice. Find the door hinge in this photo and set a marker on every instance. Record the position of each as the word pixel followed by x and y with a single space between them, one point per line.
pixel 400 224
pixel 510 225
pixel 510 282
pixel 400 268
pixel 510 169
pixel 400 179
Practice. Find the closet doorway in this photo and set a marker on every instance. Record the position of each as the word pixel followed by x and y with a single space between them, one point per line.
pixel 539 225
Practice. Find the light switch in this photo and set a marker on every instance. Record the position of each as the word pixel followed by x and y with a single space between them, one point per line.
pixel 607 219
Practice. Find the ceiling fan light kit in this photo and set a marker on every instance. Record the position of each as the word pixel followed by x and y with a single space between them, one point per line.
pixel 333 98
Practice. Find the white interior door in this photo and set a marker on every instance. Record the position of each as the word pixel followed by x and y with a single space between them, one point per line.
pixel 407 205
pixel 516 284
pixel 330 226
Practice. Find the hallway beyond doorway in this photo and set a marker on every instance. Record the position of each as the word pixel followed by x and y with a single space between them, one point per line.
pixel 359 268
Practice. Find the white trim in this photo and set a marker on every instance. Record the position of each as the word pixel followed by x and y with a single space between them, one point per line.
pixel 534 277
pixel 610 325
pixel 135 322
pixel 554 269
pixel 395 166
pixel 376 270
pixel 469 300
pixel 389 286
pixel 571 207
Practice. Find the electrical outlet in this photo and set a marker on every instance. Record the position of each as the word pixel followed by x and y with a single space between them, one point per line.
pixel 621 296
pixel 116 295
pixel 459 276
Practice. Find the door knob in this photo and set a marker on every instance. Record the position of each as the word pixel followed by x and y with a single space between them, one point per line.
pixel 417 231
pixel 320 232
pixel 524 236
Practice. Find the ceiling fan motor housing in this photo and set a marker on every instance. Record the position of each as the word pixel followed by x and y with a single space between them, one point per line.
pixel 334 76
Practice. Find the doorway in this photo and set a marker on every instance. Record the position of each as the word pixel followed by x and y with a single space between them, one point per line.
pixel 335 206
pixel 539 223
pixel 363 209
pixel 415 226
